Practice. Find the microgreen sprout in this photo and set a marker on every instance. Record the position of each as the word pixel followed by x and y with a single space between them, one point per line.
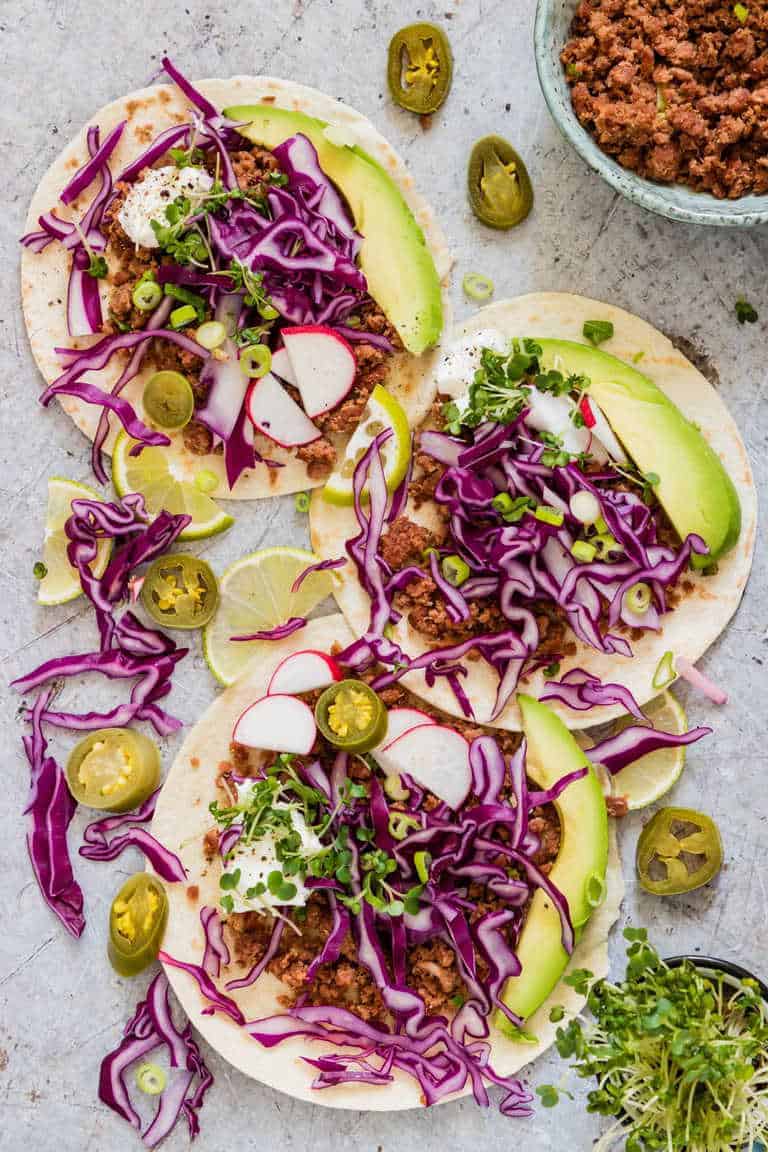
pixel 680 1056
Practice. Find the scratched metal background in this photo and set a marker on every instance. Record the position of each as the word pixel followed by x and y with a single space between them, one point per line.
pixel 61 1006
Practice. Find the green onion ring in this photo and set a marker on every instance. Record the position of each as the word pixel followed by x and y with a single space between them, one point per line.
pixel 477 286
pixel 150 1079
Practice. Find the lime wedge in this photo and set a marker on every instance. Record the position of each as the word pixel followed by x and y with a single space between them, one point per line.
pixel 162 478
pixel 382 411
pixel 652 776
pixel 255 596
pixel 61 581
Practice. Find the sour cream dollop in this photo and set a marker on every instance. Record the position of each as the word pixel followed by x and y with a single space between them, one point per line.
pixel 258 858
pixel 461 359
pixel 150 196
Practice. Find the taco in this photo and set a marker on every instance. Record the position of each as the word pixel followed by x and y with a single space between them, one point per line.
pixel 360 923
pixel 573 514
pixel 226 216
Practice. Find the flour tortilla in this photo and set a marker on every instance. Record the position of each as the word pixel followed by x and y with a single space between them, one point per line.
pixel 148 112
pixel 691 627
pixel 180 821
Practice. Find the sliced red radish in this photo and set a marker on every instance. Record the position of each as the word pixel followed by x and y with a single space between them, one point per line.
pixel 400 720
pixel 605 434
pixel 272 411
pixel 303 672
pixel 281 366
pixel 277 723
pixel 323 366
pixel 436 757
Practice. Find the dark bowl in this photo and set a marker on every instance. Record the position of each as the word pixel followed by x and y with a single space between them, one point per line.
pixel 711 963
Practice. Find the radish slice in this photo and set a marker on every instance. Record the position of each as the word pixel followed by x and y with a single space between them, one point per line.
pixel 278 724
pixel 281 366
pixel 436 757
pixel 272 411
pixel 303 672
pixel 323 365
pixel 400 720
pixel 605 434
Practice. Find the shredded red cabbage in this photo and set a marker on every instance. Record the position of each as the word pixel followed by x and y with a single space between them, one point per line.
pixel 152 1027
pixel 295 624
pixel 616 752
pixel 581 691
pixel 50 808
pixel 100 844
pixel 218 1002
pixel 216 950
pixel 93 166
pixel 320 566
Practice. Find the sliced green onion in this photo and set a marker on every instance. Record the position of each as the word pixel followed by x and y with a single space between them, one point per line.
pixel 255 361
pixel 455 570
pixel 741 12
pixel 206 481
pixel 583 551
pixel 585 507
pixel 301 501
pixel 421 862
pixel 549 515
pixel 394 788
pixel 40 571
pixel 425 555
pixel 150 1079
pixel 400 824
pixel 606 546
pixel 601 526
pixel 477 286
pixel 211 334
pixel 637 599
pixel 502 503
pixel 180 317
pixel 638 356
pixel 665 672
pixel 146 295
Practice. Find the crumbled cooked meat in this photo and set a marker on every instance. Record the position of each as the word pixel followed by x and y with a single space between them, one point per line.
pixel 252 168
pixel 427 612
pixel 404 543
pixel 197 438
pixel 617 805
pixel 675 91
pixel 319 457
pixel 545 825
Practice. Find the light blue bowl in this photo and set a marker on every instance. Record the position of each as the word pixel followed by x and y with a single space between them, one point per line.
pixel 553 23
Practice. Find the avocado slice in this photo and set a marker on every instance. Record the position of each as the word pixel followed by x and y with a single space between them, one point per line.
pixel 397 263
pixel 694 489
pixel 580 868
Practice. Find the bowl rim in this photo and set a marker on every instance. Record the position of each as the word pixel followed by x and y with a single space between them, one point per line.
pixel 714 964
pixel 746 212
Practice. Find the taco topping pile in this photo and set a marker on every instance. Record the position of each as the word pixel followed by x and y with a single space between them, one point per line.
pixel 542 532
pixel 233 270
pixel 387 889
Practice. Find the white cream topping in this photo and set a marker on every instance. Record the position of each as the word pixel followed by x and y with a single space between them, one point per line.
pixel 150 196
pixel 258 858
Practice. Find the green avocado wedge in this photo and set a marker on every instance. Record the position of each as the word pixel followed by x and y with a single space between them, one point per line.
pixel 579 871
pixel 694 489
pixel 397 263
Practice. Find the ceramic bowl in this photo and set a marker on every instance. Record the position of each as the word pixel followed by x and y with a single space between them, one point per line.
pixel 553 22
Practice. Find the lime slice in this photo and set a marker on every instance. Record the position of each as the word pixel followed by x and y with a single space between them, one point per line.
pixel 652 776
pixel 61 582
pixel 382 411
pixel 255 596
pixel 164 480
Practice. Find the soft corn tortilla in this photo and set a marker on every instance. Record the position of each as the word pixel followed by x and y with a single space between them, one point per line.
pixel 44 277
pixel 182 818
pixel 690 628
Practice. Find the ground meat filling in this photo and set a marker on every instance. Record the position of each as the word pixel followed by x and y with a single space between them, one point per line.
pixel 675 91
pixel 127 263
pixel 431 966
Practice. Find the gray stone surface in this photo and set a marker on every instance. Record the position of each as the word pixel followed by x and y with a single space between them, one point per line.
pixel 61 1006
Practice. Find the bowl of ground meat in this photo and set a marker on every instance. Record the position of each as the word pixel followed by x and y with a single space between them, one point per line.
pixel 666 99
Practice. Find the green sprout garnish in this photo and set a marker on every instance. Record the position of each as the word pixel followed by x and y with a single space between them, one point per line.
pixel 680 1056
pixel 597 331
pixel 97 267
